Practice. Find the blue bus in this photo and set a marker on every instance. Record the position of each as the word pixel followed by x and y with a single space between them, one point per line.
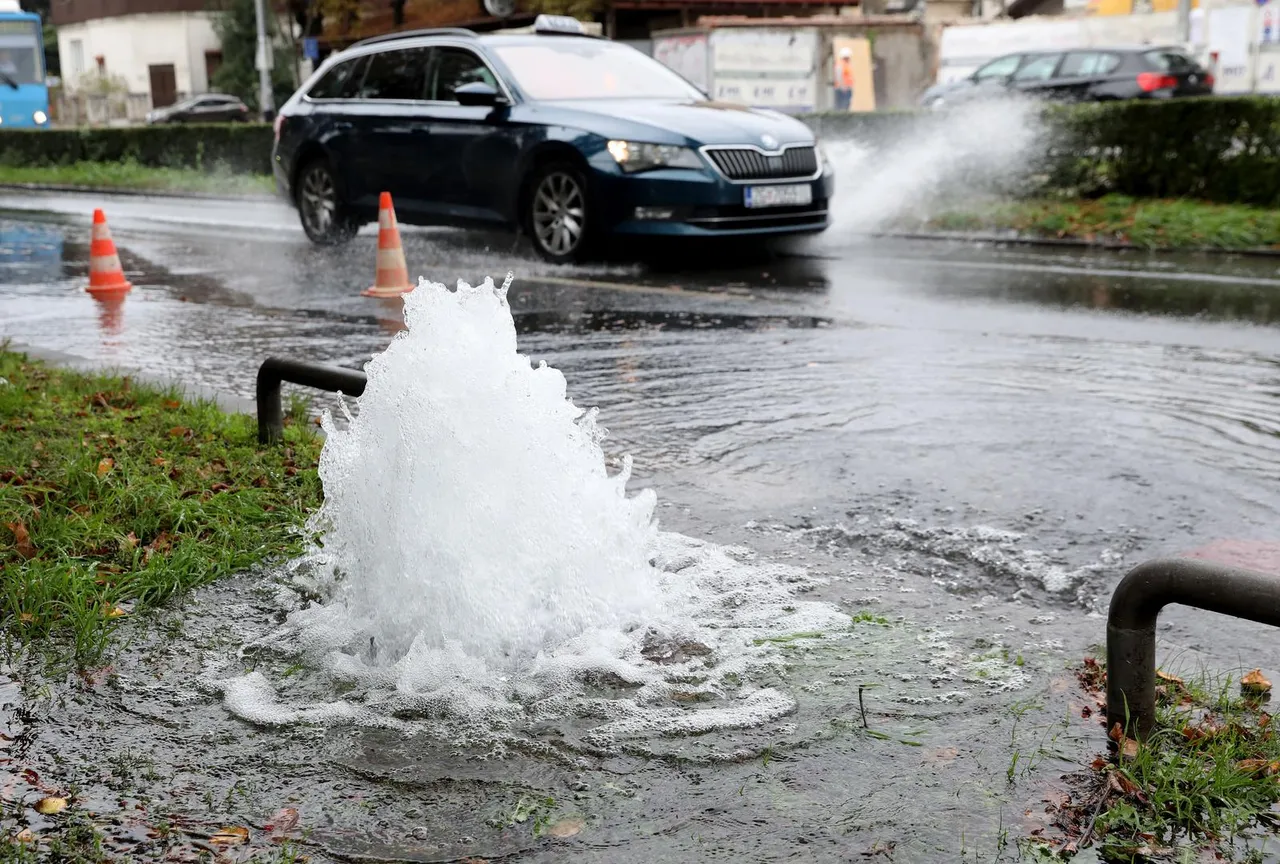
pixel 24 95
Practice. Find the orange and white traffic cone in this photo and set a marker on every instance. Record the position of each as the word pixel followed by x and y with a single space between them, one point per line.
pixel 106 276
pixel 391 279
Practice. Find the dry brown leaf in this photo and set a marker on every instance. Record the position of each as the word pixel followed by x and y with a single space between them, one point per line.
pixel 172 404
pixel 566 827
pixel 1171 679
pixel 285 820
pixel 236 835
pixel 159 460
pixel 117 612
pixel 1128 748
pixel 22 539
pixel 1117 732
pixel 105 466
pixel 130 540
pixel 51 805
pixel 1255 682
pixel 25 836
pixel 179 432
pixel 27 618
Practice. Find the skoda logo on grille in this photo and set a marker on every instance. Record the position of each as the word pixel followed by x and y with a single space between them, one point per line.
pixel 769 142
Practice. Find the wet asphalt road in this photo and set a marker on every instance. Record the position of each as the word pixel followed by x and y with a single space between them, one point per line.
pixel 845 402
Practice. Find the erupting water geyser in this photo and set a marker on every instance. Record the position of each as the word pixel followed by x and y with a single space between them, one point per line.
pixel 469 504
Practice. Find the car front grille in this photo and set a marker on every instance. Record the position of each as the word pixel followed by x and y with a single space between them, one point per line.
pixel 742 163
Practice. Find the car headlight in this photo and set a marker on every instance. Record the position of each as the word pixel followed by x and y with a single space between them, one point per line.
pixel 40 117
pixel 633 156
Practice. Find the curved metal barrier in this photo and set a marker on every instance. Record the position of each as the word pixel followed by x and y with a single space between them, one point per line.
pixel 1131 624
pixel 275 370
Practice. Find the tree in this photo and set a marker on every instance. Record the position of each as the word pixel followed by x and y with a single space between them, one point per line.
pixel 237 29
pixel 581 9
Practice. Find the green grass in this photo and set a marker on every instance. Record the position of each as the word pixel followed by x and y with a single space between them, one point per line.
pixel 1147 223
pixel 116 496
pixel 1208 774
pixel 131 175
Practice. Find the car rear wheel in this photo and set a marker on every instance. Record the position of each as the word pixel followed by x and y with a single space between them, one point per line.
pixel 558 213
pixel 324 218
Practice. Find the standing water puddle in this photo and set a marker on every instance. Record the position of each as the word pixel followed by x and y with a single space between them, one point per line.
pixel 494 650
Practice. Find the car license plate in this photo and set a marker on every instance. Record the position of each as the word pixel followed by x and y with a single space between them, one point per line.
pixel 779 196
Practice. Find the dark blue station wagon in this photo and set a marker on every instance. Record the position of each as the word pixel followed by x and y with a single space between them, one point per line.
pixel 567 137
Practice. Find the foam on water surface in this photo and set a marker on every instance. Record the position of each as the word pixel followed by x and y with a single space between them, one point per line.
pixel 477 560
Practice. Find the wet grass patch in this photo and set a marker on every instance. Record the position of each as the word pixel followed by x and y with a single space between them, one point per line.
pixel 133 176
pixel 1204 786
pixel 115 496
pixel 1143 222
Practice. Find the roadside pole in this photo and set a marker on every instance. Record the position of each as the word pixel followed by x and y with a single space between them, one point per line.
pixel 266 103
pixel 1184 21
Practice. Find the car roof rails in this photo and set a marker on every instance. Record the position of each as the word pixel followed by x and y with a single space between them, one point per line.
pixel 412 34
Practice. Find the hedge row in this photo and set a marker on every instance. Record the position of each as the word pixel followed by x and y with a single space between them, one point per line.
pixel 237 147
pixel 1219 149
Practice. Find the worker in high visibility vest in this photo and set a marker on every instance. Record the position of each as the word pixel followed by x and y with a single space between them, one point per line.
pixel 844 80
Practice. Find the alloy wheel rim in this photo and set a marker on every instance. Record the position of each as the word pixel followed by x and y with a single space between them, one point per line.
pixel 559 213
pixel 318 201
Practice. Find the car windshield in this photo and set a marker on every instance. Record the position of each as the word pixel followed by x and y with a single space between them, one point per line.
pixel 1169 60
pixel 575 68
pixel 19 59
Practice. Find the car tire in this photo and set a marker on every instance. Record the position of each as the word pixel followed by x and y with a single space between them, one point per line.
pixel 325 218
pixel 558 215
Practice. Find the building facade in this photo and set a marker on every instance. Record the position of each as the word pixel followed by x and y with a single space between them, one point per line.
pixel 155 51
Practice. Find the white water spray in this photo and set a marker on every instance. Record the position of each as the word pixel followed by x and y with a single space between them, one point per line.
pixel 950 158
pixel 480 566
pixel 468 501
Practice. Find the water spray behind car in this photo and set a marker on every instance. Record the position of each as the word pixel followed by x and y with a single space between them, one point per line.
pixel 943 160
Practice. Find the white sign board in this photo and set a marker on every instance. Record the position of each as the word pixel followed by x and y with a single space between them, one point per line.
pixel 1231 32
pixel 766 67
pixel 686 55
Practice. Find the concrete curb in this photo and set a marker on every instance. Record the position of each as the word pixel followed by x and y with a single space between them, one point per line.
pixel 1068 242
pixel 131 193
pixel 227 402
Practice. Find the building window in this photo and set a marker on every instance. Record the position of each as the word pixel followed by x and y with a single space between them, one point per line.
pixel 77 57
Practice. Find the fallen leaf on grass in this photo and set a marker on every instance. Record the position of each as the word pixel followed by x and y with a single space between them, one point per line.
pixel 25 836
pixel 237 835
pixel 283 822
pixel 105 466
pixel 22 539
pixel 1129 748
pixel 1169 679
pixel 27 618
pixel 219 487
pixel 179 432
pixel 566 827
pixel 117 612
pixel 130 541
pixel 171 404
pixel 159 460
pixel 51 805
pixel 1255 682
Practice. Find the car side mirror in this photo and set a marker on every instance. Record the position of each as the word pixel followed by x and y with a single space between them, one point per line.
pixel 479 93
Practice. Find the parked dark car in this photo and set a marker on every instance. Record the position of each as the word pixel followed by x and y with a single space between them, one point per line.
pixel 1083 75
pixel 207 108
pixel 565 136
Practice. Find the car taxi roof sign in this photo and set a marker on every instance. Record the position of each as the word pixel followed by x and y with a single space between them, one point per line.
pixel 558 24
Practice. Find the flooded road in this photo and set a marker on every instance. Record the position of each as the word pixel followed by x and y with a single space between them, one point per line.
pixel 969 445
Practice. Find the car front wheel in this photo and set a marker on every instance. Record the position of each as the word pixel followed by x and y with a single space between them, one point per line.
pixel 323 216
pixel 557 215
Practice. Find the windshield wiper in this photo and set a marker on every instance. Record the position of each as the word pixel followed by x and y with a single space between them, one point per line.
pixel 9 79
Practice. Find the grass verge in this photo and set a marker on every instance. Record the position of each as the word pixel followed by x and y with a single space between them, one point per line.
pixel 1147 223
pixel 115 496
pixel 1203 787
pixel 132 176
